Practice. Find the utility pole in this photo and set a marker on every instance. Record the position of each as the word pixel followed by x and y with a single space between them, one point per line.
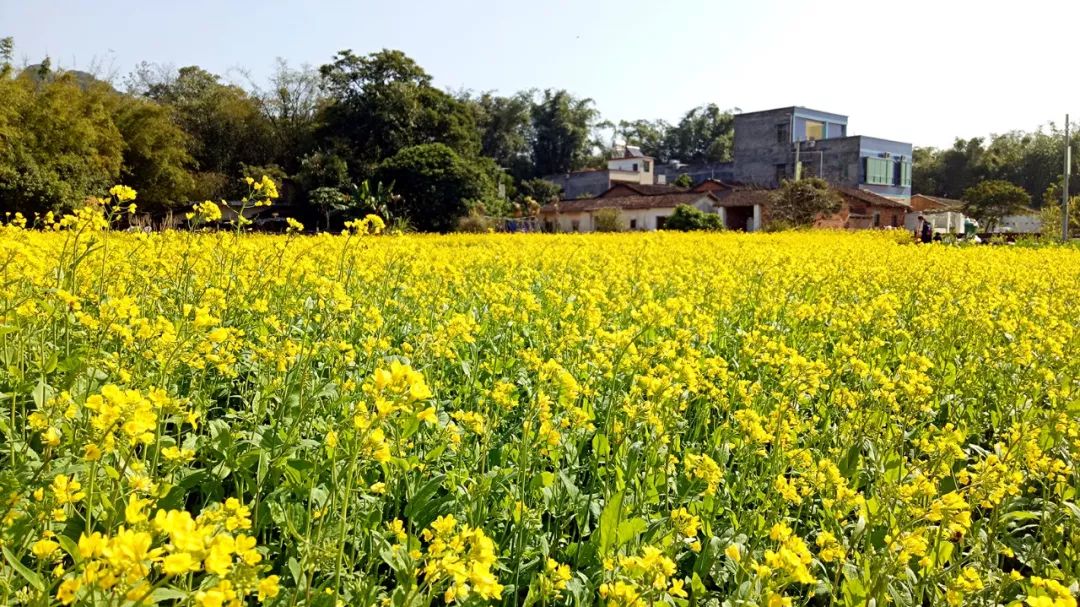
pixel 1065 188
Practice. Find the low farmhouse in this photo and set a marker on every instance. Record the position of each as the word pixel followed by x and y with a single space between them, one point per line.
pixel 740 207
pixel 865 210
pixel 637 207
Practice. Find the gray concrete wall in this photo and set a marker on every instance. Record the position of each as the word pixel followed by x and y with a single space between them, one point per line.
pixel 756 149
pixel 579 185
pixel 724 171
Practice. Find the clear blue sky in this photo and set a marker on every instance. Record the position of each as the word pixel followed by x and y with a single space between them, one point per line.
pixel 915 70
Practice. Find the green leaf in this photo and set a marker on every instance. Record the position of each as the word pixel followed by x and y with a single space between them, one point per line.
pixel 423 496
pixel 609 522
pixel 167 594
pixel 630 529
pixel 853 591
pixel 30 576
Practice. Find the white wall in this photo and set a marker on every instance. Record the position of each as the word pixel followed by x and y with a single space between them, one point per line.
pixel 644 219
pixel 626 165
pixel 1020 224
pixel 947 222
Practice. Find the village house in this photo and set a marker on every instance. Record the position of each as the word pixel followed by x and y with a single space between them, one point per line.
pixel 769 146
pixel 740 207
pixel 638 207
pixel 626 165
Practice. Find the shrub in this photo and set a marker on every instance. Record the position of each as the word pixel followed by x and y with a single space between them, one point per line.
pixel 608 220
pixel 801 203
pixel 687 219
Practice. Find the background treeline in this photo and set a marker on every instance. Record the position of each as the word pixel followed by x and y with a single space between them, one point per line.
pixel 330 135
pixel 339 136
pixel 1033 161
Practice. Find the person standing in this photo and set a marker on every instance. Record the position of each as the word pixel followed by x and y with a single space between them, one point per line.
pixel 925 231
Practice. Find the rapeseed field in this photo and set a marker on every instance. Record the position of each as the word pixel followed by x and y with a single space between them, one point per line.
pixel 221 418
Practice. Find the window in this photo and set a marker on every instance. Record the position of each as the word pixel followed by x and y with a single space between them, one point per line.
pixel 879 171
pixel 633 224
pixel 645 164
pixel 575 225
pixel 781 172
pixel 877 219
pixel 635 167
pixel 782 134
pixel 905 173
pixel 895 221
pixel 814 130
pixel 660 221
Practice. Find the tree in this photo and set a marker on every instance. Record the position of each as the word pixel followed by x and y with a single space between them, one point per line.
pixel 505 126
pixel 60 144
pixel 801 203
pixel 684 181
pixel 323 170
pixel 989 201
pixel 226 125
pixel 382 103
pixel 329 201
pixel 437 186
pixel 649 135
pixel 561 128
pixel 156 162
pixel 704 134
pixel 291 103
pixel 7 51
pixel 1051 218
pixel 686 218
pixel 540 190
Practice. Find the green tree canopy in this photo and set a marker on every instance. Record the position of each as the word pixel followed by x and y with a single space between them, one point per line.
pixel 649 135
pixel 59 143
pixel 155 161
pixel 704 134
pixel 226 125
pixel 989 201
pixel 437 186
pixel 506 130
pixel 561 128
pixel 382 103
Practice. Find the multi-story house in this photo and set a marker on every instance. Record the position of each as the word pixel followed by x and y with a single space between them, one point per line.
pixel 774 145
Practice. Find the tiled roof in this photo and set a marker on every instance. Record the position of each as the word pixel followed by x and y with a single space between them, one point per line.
pixel 870 198
pixel 704 185
pixel 744 197
pixel 642 190
pixel 944 203
pixel 627 202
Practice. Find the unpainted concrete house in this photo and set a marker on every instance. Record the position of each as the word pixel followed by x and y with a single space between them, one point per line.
pixel 769 147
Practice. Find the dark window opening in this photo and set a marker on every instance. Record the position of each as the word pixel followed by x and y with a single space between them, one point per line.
pixel 781 172
pixel 633 224
pixel 782 133
pixel 660 221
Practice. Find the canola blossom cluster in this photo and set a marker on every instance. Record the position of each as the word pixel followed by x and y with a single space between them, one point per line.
pixel 218 418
